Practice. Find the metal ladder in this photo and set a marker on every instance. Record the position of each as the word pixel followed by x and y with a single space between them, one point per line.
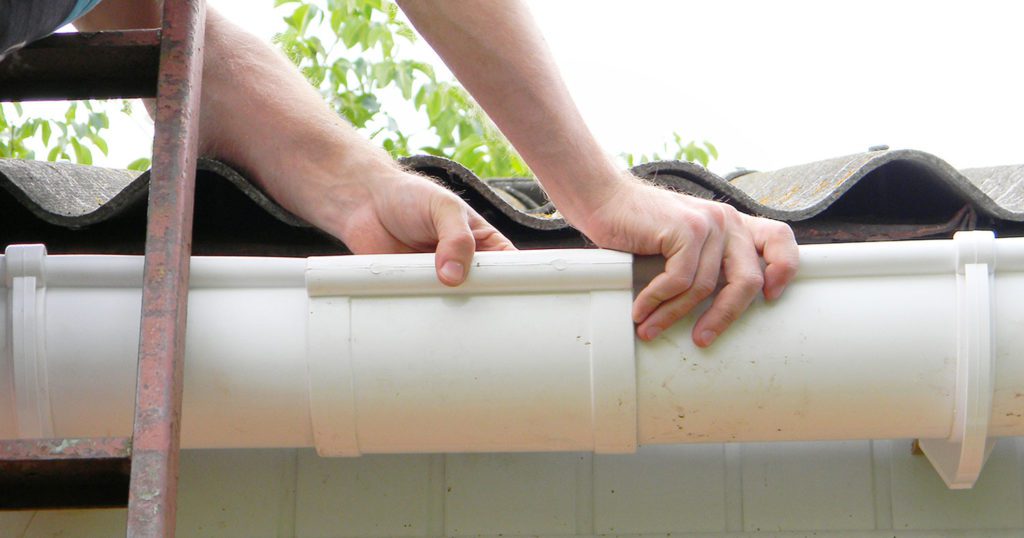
pixel 141 470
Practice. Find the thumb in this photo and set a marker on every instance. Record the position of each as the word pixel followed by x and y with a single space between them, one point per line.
pixel 455 242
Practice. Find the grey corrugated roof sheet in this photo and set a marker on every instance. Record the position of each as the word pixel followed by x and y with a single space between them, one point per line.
pixel 867 196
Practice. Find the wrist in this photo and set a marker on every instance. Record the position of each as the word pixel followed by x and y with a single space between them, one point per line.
pixel 336 189
pixel 582 192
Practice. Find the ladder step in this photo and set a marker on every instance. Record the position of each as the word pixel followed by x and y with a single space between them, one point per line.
pixel 96 65
pixel 38 474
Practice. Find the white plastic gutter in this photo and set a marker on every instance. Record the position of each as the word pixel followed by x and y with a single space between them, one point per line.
pixel 535 352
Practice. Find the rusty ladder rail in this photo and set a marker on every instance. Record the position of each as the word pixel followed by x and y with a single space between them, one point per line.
pixel 50 473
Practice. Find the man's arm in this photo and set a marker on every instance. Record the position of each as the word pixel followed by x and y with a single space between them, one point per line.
pixel 260 115
pixel 496 51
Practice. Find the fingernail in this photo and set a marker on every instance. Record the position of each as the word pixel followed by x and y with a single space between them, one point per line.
pixel 652 332
pixel 707 337
pixel 452 271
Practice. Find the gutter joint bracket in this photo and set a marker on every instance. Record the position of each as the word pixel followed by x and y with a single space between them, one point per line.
pixel 960 458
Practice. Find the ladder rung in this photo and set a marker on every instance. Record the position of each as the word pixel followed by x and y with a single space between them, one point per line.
pixel 98 65
pixel 64 473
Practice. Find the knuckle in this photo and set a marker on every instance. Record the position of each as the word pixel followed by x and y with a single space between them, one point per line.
pixel 464 240
pixel 702 289
pixel 696 225
pixel 731 214
pixel 751 281
pixel 717 215
pixel 782 231
pixel 461 239
pixel 726 316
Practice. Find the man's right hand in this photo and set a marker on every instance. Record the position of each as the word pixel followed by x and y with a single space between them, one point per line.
pixel 701 240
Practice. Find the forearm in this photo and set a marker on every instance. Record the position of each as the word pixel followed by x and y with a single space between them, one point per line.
pixel 498 54
pixel 252 93
pixel 259 113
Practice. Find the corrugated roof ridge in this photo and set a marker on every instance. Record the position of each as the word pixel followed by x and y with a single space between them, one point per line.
pixel 86 194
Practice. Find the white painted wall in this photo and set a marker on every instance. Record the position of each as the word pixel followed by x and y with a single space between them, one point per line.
pixel 836 489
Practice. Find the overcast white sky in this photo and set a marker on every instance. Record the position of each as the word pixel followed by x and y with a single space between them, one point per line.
pixel 776 83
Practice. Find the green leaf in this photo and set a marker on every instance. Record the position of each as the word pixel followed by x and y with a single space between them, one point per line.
pixel 337 18
pixel 374 33
pixel 420 98
pixel 695 154
pixel 28 129
pixel 82 153
pixel 69 115
pixel 435 104
pixel 99 120
pixel 350 32
pixel 141 164
pixel 383 73
pixel 370 103
pixel 360 68
pixel 387 43
pixel 362 35
pixel 424 68
pixel 405 31
pixel 403 77
pixel 54 153
pixel 297 19
pixel 314 74
pixel 46 132
pixel 711 149
pixel 98 142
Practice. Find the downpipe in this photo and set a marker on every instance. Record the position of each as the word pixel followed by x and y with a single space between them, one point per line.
pixel 535 352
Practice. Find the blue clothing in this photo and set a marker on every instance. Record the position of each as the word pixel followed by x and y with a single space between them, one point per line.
pixel 81 8
pixel 24 21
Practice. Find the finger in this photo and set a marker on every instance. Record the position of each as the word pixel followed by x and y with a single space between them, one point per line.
pixel 682 259
pixel 775 241
pixel 455 241
pixel 704 283
pixel 488 237
pixel 743 280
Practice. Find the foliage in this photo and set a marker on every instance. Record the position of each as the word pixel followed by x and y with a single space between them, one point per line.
pixel 71 138
pixel 690 151
pixel 352 52
pixel 357 59
pixel 73 135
